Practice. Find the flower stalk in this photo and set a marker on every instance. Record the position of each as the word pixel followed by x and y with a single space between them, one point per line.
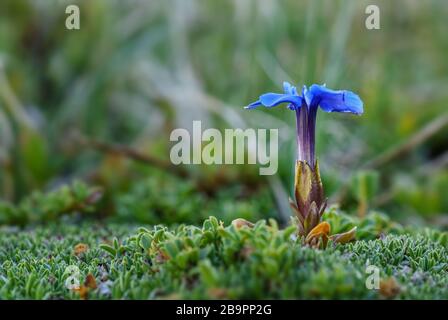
pixel 309 201
pixel 306 124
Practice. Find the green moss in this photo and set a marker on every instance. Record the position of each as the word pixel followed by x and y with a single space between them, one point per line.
pixel 213 261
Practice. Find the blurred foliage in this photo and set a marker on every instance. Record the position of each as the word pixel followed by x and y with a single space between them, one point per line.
pixel 168 200
pixel 38 207
pixel 364 187
pixel 160 198
pixel 137 69
pixel 423 196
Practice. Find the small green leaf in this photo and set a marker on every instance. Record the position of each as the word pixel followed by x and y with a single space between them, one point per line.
pixel 145 241
pixel 108 249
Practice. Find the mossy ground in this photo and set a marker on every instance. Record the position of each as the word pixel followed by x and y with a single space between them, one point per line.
pixel 130 255
pixel 216 261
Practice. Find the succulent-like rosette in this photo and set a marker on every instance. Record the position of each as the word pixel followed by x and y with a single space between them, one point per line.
pixel 309 203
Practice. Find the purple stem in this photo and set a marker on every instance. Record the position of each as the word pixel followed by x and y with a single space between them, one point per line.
pixel 306 125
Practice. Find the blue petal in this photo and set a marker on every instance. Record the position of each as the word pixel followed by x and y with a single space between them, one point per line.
pixel 307 95
pixel 335 100
pixel 253 105
pixel 273 99
pixel 270 100
pixel 289 89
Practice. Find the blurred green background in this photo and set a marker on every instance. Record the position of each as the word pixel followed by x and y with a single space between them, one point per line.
pixel 138 69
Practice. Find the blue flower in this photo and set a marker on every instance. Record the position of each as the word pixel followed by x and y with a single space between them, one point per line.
pixel 317 95
pixel 305 105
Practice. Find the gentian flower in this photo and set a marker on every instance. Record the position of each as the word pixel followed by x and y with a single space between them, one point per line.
pixel 305 107
pixel 309 204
